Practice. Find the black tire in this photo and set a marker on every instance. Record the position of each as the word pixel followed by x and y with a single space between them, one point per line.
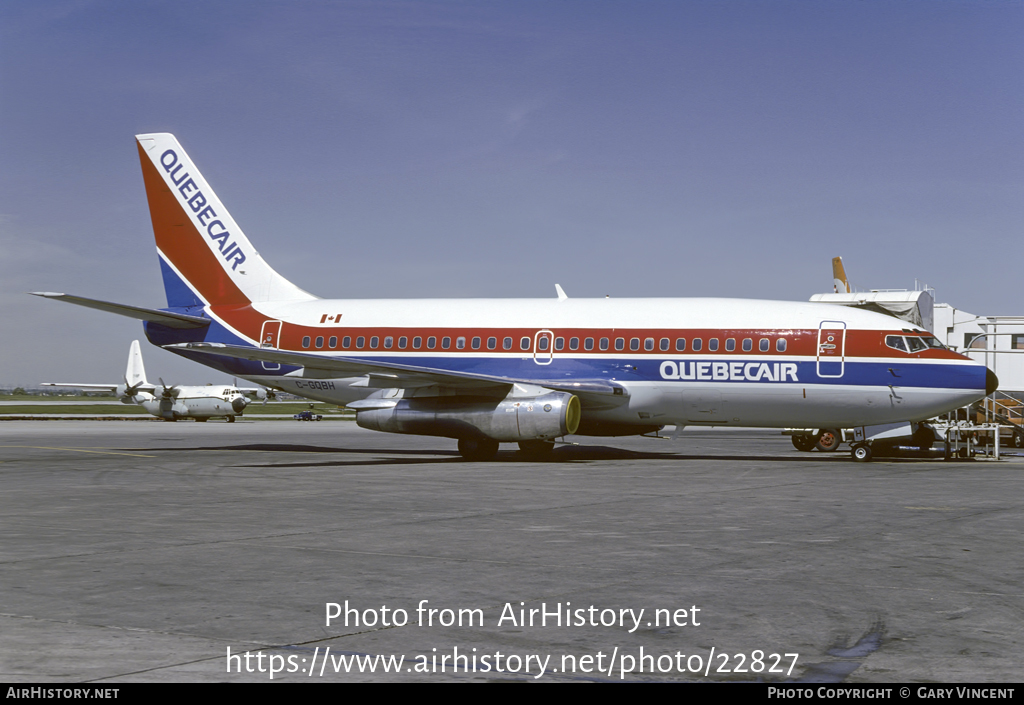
pixel 861 453
pixel 536 448
pixel 829 440
pixel 478 448
pixel 924 437
pixel 803 442
pixel 1018 439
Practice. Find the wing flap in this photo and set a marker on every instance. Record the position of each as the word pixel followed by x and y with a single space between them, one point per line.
pixel 387 375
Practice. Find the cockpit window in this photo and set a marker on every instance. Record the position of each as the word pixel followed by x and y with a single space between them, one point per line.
pixel 916 344
pixel 896 342
pixel 913 344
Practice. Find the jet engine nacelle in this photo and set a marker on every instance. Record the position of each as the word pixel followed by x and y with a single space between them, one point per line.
pixel 511 419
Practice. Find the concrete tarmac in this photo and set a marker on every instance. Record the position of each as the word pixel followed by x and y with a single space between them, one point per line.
pixel 151 551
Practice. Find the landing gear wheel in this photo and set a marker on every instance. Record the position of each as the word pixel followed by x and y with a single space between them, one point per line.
pixel 924 437
pixel 201 420
pixel 478 448
pixel 1018 439
pixel 829 440
pixel 231 419
pixel 804 442
pixel 535 448
pixel 861 453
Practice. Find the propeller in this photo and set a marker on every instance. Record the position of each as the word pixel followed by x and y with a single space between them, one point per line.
pixel 168 391
pixel 266 395
pixel 130 390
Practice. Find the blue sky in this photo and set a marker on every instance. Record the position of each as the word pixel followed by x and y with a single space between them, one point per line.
pixel 491 149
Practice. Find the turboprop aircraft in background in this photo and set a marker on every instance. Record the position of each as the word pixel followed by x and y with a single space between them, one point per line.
pixel 486 371
pixel 172 403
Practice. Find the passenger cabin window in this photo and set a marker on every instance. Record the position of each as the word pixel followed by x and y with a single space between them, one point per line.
pixel 620 343
pixel 713 344
pixel 319 341
pixel 492 343
pixel 333 342
pixel 588 344
pixel 374 342
pixel 559 343
pixel 305 341
pixel 663 344
pixel 460 342
pixel 346 342
pixel 542 343
pixel 604 343
pixel 764 345
pixel 698 343
pixel 360 342
pixel 417 342
pixel 446 342
pixel 388 341
pixel 780 345
pixel 680 344
pixel 574 343
pixel 476 342
pixel 730 344
pixel 431 342
pixel 748 345
pixel 634 343
pixel 648 343
pixel 402 342
pixel 506 343
pixel 524 344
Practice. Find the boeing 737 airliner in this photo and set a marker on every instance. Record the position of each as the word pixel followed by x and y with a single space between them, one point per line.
pixel 486 371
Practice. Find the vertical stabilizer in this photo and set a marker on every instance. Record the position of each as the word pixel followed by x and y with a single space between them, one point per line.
pixel 840 284
pixel 205 258
pixel 136 373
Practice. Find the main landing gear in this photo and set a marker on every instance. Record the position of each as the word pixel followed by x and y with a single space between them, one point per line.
pixel 478 448
pixel 485 448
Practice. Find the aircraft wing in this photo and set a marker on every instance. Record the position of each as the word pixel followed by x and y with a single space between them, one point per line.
pixel 76 385
pixel 389 375
pixel 99 387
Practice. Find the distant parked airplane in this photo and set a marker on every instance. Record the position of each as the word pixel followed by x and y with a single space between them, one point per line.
pixel 172 403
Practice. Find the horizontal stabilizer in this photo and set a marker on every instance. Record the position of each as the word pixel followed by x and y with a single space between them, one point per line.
pixel 164 318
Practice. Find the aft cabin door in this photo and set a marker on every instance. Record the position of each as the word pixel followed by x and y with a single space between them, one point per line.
pixel 270 337
pixel 831 349
pixel 543 344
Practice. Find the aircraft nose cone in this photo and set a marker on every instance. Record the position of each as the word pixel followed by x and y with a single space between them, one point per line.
pixel 238 403
pixel 991 381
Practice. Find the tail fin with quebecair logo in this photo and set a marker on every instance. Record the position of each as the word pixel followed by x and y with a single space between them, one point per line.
pixel 205 258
